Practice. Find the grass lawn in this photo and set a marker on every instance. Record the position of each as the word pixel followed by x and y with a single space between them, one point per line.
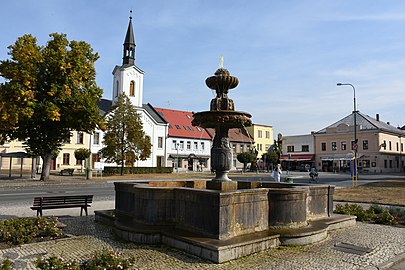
pixel 388 192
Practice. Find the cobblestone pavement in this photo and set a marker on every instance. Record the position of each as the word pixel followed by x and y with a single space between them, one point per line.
pixel 385 242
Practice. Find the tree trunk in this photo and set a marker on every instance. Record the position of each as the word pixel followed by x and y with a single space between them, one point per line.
pixel 46 167
pixel 122 168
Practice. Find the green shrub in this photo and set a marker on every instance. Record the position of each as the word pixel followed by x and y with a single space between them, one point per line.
pixel 6 264
pixel 374 213
pixel 385 218
pixel 56 263
pixel 18 231
pixel 354 210
pixel 106 260
pixel 376 209
pixel 398 213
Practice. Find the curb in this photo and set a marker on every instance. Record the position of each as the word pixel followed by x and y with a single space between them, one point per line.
pixel 390 263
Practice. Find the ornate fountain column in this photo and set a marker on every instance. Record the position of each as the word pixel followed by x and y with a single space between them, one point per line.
pixel 222 117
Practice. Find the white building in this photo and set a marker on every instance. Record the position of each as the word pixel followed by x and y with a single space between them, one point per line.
pixel 188 148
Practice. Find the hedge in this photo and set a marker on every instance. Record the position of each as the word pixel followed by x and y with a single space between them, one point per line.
pixel 137 170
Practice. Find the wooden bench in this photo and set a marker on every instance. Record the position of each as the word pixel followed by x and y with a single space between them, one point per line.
pixel 68 171
pixel 57 202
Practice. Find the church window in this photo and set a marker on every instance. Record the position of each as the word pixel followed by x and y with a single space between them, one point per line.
pixel 132 89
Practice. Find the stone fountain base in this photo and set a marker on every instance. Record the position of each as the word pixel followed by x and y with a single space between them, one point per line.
pixel 221 226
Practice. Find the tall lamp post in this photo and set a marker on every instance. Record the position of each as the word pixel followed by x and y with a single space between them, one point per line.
pixel 354 146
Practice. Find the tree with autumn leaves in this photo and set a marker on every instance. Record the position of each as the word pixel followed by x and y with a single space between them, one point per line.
pixel 48 92
pixel 124 139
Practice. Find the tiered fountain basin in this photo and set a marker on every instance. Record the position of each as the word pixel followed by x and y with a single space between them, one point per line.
pixel 222 226
pixel 224 119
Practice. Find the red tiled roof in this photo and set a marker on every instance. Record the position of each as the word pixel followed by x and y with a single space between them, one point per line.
pixel 235 135
pixel 180 124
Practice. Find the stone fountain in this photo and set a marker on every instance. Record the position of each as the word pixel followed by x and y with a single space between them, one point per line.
pixel 222 117
pixel 220 219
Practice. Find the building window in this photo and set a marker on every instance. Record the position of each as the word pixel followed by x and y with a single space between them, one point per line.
pixel 241 149
pixel 96 138
pixel 66 158
pixel 290 148
pixel 366 163
pixel 343 146
pixel 385 163
pixel 174 145
pixel 397 146
pixel 178 127
pixel 323 146
pixel 160 142
pixel 267 147
pixel 202 146
pixel 384 145
pixel 80 138
pixel 195 145
pixel 305 148
pixel 402 147
pixel 132 89
pixel 188 145
pixel 365 144
pixel 259 134
pixel 353 143
pixel 267 134
pixel 391 163
pixel 334 146
pixel 78 162
pixel 390 145
pixel 181 145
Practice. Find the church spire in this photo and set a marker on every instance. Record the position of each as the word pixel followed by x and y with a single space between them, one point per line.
pixel 129 45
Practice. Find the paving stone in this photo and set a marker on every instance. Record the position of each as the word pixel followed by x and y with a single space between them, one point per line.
pixel 386 242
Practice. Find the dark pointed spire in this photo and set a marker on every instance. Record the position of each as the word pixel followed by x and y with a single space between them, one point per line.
pixel 129 45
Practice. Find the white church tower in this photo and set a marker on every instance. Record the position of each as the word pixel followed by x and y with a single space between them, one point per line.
pixel 128 78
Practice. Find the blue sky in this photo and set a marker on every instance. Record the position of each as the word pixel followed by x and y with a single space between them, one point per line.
pixel 288 55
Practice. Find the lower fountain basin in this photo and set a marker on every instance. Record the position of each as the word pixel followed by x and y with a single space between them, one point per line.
pixel 222 226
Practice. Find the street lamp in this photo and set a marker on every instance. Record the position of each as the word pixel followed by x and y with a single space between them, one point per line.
pixel 354 146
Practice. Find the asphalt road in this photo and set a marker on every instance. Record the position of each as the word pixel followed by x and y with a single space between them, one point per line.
pixel 104 189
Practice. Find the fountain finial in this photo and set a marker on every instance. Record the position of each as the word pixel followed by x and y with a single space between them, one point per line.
pixel 221 61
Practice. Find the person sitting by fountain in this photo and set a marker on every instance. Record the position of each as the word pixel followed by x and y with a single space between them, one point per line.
pixel 277 173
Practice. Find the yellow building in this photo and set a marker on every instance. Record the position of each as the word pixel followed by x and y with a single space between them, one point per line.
pixel 65 159
pixel 263 137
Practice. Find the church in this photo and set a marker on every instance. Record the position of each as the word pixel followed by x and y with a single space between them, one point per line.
pixel 128 80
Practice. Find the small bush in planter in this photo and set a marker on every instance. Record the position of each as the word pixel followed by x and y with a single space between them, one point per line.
pixel 385 218
pixel 6 264
pixel 355 210
pixel 56 263
pixel 18 231
pixel 106 260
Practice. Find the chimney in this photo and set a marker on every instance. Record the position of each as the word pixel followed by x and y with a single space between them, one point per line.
pixel 377 117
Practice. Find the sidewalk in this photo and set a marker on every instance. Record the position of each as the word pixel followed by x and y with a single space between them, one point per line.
pixel 386 244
